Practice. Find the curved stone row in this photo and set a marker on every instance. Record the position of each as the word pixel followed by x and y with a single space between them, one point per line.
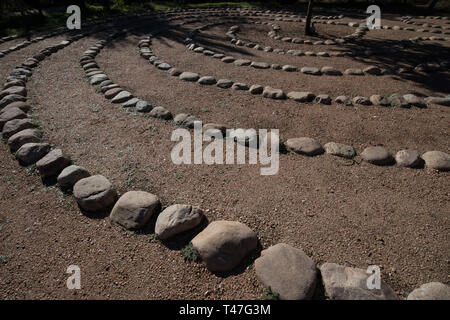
pixel 394 100
pixel 316 71
pixel 222 245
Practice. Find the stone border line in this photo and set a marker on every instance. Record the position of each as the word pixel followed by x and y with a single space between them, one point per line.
pixel 325 70
pixel 134 209
pixel 394 100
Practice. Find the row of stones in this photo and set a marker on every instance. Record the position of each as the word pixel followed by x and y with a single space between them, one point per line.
pixel 324 54
pixel 394 100
pixel 423 67
pixel 358 33
pixel 222 245
pixel 325 70
pixel 388 27
pixel 57 32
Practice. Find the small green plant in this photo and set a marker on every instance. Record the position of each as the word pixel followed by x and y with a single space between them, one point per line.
pixel 153 238
pixel 3 259
pixel 177 175
pixel 189 253
pixel 269 294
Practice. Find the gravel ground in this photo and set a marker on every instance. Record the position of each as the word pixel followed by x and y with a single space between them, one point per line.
pixel 355 215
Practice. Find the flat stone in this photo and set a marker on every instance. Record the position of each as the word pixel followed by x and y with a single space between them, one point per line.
pixel 311 70
pixel 330 71
pixel 98 78
pixel 52 163
pixel 275 66
pixel 224 83
pixel 30 153
pixel 121 97
pixel 287 271
pixel 174 72
pixel 431 291
pixel 301 96
pixel 242 62
pixel 13 126
pixel 228 59
pixel 239 86
pixel 10 98
pixel 408 158
pixel 164 66
pixel 94 193
pixel 372 70
pixel 323 99
pixel 415 101
pixel 184 119
pixel 161 113
pixel 362 101
pixel 134 209
pixel 343 100
pixel 222 245
pixel 289 68
pixel 25 136
pixel 305 146
pixel 130 103
pixel 256 89
pixel 70 175
pixel 11 114
pixel 260 65
pixel 345 283
pixel 207 80
pixel 111 93
pixel 177 218
pixel 379 100
pixel 438 100
pixel 377 156
pixel 340 150
pixel 437 160
pixel 19 90
pixel 189 76
pixel 272 93
pixel 143 106
pixel 323 54
pixel 354 72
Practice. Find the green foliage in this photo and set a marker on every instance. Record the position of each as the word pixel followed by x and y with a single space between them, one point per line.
pixel 270 295
pixel 189 253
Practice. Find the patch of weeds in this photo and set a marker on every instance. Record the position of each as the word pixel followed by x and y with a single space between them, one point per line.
pixel 95 107
pixel 177 175
pixel 3 259
pixel 189 253
pixel 204 109
pixel 152 238
pixel 270 295
pixel 30 169
pixel 148 187
pixel 219 171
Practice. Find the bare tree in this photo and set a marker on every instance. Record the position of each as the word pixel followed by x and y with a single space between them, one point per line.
pixel 308 29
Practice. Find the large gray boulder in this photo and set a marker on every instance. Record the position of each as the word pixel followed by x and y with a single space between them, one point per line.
pixel 305 146
pixel 134 209
pixel 25 136
pixel 30 153
pixel 437 160
pixel 223 244
pixel 345 283
pixel 70 175
pixel 52 163
pixel 176 219
pixel 431 291
pixel 94 193
pixel 287 271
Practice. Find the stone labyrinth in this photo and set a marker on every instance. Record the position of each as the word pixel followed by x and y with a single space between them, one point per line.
pixel 363 127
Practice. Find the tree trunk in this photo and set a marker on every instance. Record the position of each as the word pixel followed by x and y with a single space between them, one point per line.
pixel 432 4
pixel 308 30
